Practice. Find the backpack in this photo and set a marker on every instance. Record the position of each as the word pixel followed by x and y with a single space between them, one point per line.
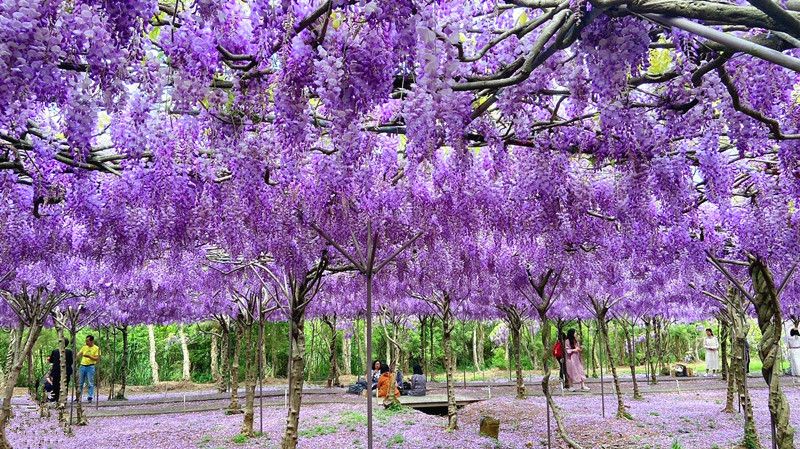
pixel 557 351
pixel 355 389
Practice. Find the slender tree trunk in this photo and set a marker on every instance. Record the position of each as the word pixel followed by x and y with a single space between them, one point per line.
pixel 475 347
pixel 225 360
pixel 187 373
pixel 731 376
pixel 333 373
pixel 214 358
pixel 739 329
pixel 770 322
pixel 659 344
pixel 621 411
pixel 62 381
pixel 630 339
pixel 153 364
pixel 274 350
pixel 113 376
pixel 298 343
pixel 447 329
pixel 362 353
pixel 234 408
pixel 481 344
pixel 423 344
pixel 724 335
pixel 80 418
pixel 561 429
pixel 431 365
pixel 347 356
pixel 514 322
pixel 250 355
pixel 595 361
pixel 13 375
pixel 13 349
pixel 124 364
pixel 648 351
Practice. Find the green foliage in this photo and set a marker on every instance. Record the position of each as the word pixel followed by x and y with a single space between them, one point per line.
pixel 318 430
pixel 750 440
pixel 499 358
pixel 239 439
pixel 396 441
pixel 676 445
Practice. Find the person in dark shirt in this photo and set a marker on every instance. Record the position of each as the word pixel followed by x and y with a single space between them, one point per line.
pixel 55 371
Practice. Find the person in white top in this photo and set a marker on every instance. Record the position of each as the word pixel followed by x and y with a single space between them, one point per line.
pixel 794 352
pixel 712 352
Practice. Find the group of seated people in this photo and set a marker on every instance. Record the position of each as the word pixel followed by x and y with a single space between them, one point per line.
pixel 382 378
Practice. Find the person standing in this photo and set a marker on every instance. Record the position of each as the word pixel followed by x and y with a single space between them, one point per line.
pixel 558 353
pixel 89 356
pixel 575 370
pixel 55 371
pixel 712 352
pixel 794 352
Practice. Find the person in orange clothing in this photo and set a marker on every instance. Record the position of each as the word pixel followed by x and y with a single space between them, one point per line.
pixel 384 381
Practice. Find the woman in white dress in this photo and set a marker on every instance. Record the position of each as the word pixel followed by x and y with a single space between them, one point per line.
pixel 794 352
pixel 712 352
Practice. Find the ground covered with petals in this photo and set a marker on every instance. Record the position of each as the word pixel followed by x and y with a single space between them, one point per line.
pixel 661 420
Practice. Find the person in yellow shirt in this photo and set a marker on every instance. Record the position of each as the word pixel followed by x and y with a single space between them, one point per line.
pixel 89 356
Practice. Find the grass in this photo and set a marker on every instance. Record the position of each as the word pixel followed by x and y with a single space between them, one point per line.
pixel 239 439
pixel 318 430
pixel 397 440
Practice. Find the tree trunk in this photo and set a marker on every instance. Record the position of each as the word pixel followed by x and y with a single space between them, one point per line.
pixel 62 381
pixel 621 411
pixel 274 350
pixel 187 373
pixel 431 366
pixel 595 362
pixel 333 373
pixel 630 339
pixel 562 431
pixel 731 376
pixel 724 335
pixel 13 349
pixel 298 344
pixel 225 360
pixel 362 353
pixel 250 356
pixel 214 358
pixel 234 408
pixel 447 329
pixel 153 364
pixel 770 322
pixel 475 347
pixel 347 356
pixel 423 344
pixel 648 351
pixel 481 344
pixel 124 364
pixel 514 322
pixel 659 344
pixel 113 376
pixel 13 375
pixel 80 418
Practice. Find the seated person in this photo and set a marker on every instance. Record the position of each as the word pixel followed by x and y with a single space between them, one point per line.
pixel 384 381
pixel 398 375
pixel 376 373
pixel 419 383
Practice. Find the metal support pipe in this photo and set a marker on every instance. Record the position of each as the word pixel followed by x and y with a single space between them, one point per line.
pixel 732 42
